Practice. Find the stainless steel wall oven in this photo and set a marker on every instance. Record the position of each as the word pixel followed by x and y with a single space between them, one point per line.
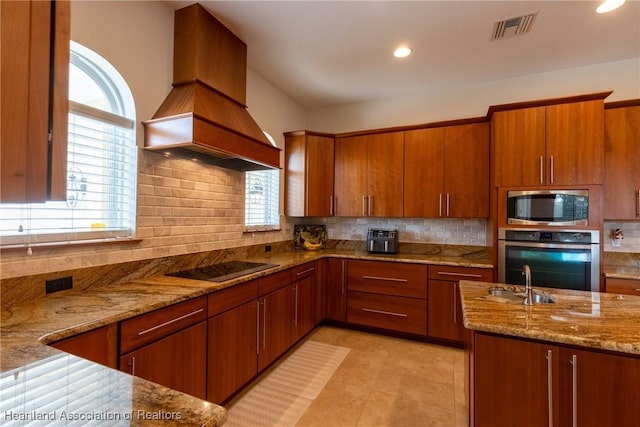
pixel 566 259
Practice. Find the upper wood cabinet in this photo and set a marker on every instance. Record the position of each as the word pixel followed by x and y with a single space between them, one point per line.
pixel 34 100
pixel 446 172
pixel 559 144
pixel 368 175
pixel 308 174
pixel 622 162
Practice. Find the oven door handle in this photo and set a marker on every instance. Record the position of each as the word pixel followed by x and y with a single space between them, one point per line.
pixel 511 243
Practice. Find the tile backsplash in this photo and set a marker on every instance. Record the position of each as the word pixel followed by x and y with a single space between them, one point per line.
pixel 631 240
pixel 472 232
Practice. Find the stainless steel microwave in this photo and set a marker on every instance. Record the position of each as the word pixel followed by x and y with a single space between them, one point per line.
pixel 548 207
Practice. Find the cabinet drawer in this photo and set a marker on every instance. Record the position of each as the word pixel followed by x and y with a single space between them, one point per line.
pixel 273 281
pixel 388 278
pixel 301 271
pixel 622 286
pixel 454 273
pixel 232 297
pixel 387 312
pixel 152 326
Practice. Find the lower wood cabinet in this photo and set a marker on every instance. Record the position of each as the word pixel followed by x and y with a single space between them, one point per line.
pixel 233 351
pixel 388 312
pixel 387 295
pixel 275 325
pixel 178 361
pixel 304 293
pixel 528 383
pixel 168 346
pixel 445 310
pixel 335 282
pixel 98 345
pixel 622 286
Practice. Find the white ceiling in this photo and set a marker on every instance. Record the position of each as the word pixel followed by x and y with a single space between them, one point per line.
pixel 325 53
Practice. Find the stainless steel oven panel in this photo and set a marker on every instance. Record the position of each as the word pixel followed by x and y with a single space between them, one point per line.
pixel 516 221
pixel 595 234
pixel 516 193
pixel 594 250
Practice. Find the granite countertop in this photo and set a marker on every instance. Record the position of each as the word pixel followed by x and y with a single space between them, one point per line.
pixel 596 320
pixel 622 272
pixel 29 369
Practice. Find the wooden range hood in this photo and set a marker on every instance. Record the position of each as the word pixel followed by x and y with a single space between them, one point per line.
pixel 205 115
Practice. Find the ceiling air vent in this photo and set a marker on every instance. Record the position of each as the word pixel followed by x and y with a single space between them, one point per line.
pixel 513 26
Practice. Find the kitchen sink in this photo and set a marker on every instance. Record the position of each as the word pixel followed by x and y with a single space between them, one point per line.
pixel 513 294
pixel 223 271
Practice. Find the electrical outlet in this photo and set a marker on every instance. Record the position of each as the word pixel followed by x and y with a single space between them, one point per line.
pixel 61 284
pixel 267 248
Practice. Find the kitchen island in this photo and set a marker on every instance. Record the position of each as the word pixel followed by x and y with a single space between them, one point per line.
pixel 572 362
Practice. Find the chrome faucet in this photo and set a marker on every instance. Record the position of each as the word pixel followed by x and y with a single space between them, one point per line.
pixel 528 292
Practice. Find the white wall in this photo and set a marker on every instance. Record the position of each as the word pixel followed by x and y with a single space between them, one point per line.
pixel 623 77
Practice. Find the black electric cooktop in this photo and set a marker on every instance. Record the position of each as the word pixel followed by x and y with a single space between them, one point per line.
pixel 223 271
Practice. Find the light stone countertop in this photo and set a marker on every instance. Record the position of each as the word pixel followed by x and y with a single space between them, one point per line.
pixel 29 369
pixel 605 321
pixel 622 272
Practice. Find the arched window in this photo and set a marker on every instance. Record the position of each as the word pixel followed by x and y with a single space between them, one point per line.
pixel 261 198
pixel 101 163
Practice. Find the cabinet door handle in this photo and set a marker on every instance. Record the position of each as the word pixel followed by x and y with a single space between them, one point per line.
pixel 306 271
pixel 364 205
pixel 177 319
pixel 638 204
pixel 574 391
pixel 440 204
pixel 132 363
pixel 541 167
pixel 370 205
pixel 448 203
pixel 550 386
pixel 389 279
pixel 389 313
pixel 551 170
pixel 444 273
pixel 330 205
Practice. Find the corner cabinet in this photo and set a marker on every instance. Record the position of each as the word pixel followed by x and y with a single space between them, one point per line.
pixel 446 172
pixel 309 158
pixel 335 304
pixel 34 64
pixel 560 144
pixel 543 384
pixel 368 175
pixel 622 161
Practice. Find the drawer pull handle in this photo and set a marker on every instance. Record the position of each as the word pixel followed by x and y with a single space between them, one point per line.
pixel 444 273
pixel 637 289
pixel 177 319
pixel 389 313
pixel 306 271
pixel 389 279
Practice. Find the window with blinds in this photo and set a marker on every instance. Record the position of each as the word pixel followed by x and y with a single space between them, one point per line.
pixel 101 164
pixel 262 197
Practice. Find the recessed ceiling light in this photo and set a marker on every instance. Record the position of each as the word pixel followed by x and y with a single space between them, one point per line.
pixel 402 52
pixel 609 5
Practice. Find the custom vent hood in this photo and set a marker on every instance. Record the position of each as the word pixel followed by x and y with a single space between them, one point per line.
pixel 205 117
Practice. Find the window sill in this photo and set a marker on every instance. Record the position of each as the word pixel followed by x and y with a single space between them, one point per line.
pixel 260 230
pixel 69 244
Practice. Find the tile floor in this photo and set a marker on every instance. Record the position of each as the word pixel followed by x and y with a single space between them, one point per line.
pixel 387 381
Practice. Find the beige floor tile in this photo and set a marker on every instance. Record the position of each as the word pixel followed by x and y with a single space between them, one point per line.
pixel 390 410
pixel 339 404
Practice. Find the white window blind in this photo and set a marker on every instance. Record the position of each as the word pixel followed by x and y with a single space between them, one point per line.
pixel 261 200
pixel 101 165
